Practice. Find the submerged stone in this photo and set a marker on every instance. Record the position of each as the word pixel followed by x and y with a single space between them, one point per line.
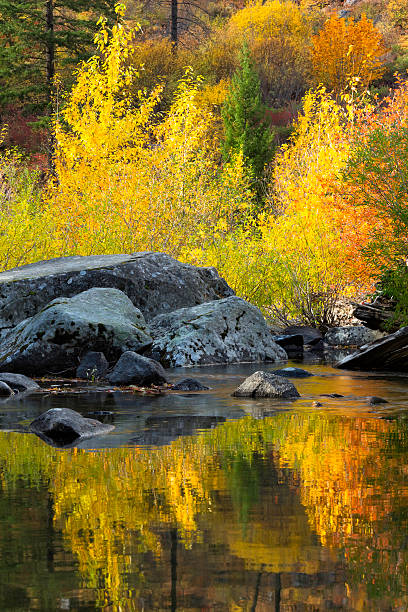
pixel 265 384
pixel 189 384
pixel 64 426
pixel 292 373
pixel 374 400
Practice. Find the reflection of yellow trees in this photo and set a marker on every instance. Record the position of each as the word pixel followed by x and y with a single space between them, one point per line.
pixel 103 499
pixel 111 505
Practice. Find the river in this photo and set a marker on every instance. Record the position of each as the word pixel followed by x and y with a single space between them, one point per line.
pixel 202 501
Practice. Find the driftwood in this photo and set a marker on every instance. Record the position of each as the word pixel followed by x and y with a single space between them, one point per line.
pixel 377 315
pixel 389 354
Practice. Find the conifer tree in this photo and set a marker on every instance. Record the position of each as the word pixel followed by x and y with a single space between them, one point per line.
pixel 243 113
pixel 38 37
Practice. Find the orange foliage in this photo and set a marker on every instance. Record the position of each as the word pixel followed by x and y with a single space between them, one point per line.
pixel 347 51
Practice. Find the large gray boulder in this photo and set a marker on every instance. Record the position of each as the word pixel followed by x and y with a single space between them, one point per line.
pixel 18 382
pixel 225 331
pixel 54 339
pixel 134 369
pixel 387 354
pixel 356 335
pixel 155 283
pixel 265 384
pixel 63 426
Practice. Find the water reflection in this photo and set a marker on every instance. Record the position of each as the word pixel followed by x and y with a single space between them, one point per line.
pixel 297 511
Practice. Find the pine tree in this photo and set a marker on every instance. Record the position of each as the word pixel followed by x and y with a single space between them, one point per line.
pixel 39 37
pixel 245 126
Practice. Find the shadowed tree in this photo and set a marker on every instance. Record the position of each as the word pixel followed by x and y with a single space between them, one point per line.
pixel 41 37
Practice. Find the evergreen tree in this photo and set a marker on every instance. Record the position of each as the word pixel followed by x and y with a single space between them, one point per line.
pixel 243 113
pixel 40 37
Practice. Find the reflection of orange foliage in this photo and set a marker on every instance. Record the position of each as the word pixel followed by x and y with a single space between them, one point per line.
pixel 334 482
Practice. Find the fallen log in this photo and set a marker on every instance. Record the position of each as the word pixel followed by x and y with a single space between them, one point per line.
pixel 388 354
pixel 377 315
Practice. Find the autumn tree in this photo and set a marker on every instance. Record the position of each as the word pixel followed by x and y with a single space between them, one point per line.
pixel 40 37
pixel 347 51
pixel 177 20
pixel 246 129
pixel 278 35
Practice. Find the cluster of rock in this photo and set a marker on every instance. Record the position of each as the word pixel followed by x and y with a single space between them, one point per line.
pixel 83 315
pixel 296 339
pixel 375 348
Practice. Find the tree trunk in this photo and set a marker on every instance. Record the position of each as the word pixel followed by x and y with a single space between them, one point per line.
pixel 50 47
pixel 50 52
pixel 174 23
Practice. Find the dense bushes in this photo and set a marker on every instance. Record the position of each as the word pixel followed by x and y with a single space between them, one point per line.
pixel 138 166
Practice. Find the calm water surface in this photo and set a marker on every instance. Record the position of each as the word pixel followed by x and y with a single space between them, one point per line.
pixel 208 502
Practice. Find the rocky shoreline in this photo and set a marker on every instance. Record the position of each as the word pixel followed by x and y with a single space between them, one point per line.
pixel 115 322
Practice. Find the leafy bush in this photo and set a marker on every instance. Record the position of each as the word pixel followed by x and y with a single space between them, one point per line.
pixel 393 285
pixel 126 182
pixel 397 11
pixel 27 224
pixel 345 51
pixel 377 175
pixel 278 35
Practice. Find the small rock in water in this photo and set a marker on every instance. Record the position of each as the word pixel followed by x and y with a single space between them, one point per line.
pixel 134 369
pixel 374 400
pixel 265 384
pixel 292 373
pixel 5 390
pixel 93 365
pixel 189 384
pixel 317 404
pixel 331 395
pixel 63 426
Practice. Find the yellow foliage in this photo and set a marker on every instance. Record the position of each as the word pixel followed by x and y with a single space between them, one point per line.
pixel 27 225
pixel 305 190
pixel 128 183
pixel 156 62
pixel 347 51
pixel 397 11
pixel 278 35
